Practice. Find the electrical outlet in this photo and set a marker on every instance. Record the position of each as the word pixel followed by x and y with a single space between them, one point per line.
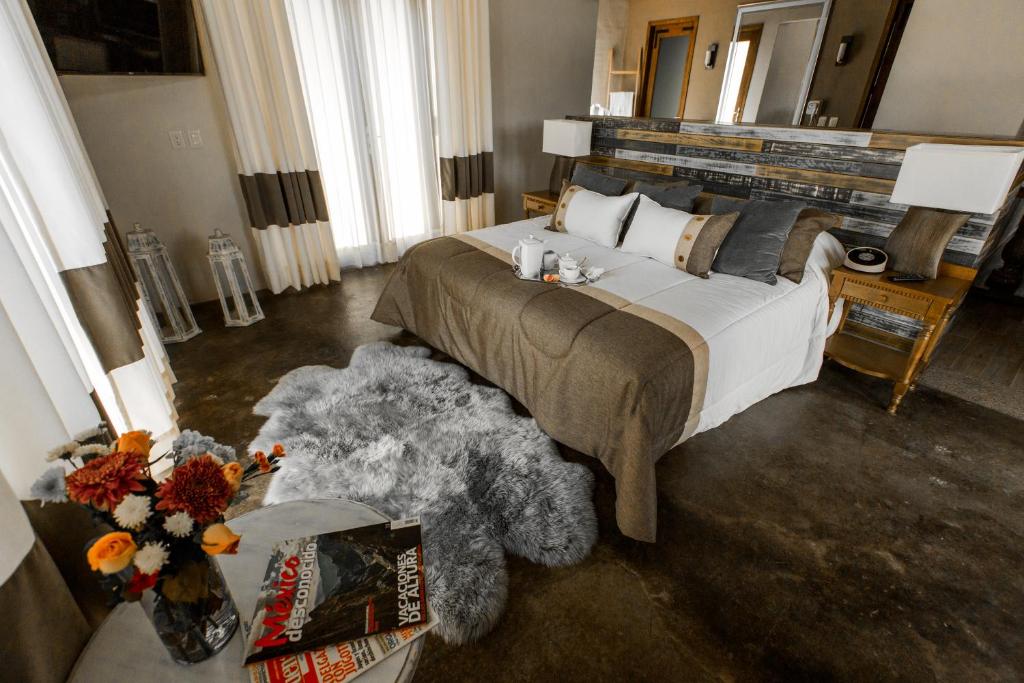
pixel 195 139
pixel 177 139
pixel 833 121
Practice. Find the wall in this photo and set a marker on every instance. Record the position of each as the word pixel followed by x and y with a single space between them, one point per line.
pixel 843 87
pixel 542 63
pixel 611 34
pixel 975 86
pixel 714 26
pixel 182 194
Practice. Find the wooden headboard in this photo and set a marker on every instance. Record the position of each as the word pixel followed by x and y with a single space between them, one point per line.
pixel 847 172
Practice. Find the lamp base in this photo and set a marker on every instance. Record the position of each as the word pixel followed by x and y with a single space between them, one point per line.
pixel 561 170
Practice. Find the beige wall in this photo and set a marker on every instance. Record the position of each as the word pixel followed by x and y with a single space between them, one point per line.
pixel 542 62
pixel 182 194
pixel 958 70
pixel 714 26
pixel 843 87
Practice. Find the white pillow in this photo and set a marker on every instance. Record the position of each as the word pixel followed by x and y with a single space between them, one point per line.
pixel 596 217
pixel 655 231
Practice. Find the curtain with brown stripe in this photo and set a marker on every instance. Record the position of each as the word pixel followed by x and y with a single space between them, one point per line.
pixel 252 46
pixel 461 54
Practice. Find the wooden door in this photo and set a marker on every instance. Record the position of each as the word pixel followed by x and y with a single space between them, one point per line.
pixel 665 72
pixel 752 36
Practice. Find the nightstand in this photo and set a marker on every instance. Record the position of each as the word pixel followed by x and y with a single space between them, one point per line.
pixel 885 355
pixel 540 202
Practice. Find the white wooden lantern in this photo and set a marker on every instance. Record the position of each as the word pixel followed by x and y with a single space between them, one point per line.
pixel 237 297
pixel 160 286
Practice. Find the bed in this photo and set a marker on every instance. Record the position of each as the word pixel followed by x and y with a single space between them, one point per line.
pixel 623 369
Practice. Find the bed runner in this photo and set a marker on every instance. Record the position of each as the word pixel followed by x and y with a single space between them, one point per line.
pixel 604 376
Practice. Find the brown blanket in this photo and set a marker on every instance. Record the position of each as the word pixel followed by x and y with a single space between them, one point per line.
pixel 611 379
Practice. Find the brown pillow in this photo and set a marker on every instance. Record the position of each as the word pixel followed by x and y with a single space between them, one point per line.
pixel 917 243
pixel 705 234
pixel 558 217
pixel 809 224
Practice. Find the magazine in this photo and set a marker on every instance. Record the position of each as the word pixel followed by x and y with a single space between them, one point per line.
pixel 338 587
pixel 336 663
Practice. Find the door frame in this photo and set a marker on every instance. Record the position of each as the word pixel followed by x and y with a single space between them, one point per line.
pixel 649 61
pixel 888 46
pixel 812 63
pixel 754 31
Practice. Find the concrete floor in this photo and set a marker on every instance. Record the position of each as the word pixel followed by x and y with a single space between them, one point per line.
pixel 812 537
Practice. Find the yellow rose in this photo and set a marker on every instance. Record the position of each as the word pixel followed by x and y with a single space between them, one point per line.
pixel 133 442
pixel 111 553
pixel 219 539
pixel 233 473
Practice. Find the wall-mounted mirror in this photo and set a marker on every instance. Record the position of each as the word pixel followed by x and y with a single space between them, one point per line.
pixel 883 64
pixel 771 60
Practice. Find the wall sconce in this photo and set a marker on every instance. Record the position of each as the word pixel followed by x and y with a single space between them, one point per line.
pixel 845 43
pixel 710 55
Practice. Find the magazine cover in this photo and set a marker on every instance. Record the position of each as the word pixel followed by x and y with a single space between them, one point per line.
pixel 336 663
pixel 338 587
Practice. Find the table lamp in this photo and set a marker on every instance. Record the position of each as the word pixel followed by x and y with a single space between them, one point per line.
pixel 565 139
pixel 944 185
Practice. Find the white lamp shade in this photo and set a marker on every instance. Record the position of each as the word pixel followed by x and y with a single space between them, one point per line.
pixel 567 138
pixel 968 178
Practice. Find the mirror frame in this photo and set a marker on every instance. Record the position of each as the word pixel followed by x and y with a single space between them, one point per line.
pixel 812 62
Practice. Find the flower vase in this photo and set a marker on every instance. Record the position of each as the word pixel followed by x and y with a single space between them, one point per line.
pixel 194 629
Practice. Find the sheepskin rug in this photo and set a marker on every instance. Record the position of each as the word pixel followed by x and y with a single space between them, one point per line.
pixel 411 436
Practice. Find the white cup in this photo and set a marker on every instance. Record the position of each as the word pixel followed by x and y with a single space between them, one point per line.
pixel 570 274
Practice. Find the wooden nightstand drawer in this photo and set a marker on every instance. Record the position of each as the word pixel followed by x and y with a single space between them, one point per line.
pixel 898 302
pixel 540 206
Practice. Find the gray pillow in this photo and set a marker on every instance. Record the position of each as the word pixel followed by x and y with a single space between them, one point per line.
pixel 592 180
pixel 721 204
pixel 753 248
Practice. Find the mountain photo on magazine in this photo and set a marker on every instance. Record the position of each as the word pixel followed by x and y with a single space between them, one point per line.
pixel 331 588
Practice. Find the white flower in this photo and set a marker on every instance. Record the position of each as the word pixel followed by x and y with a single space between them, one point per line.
pixel 216 459
pixel 90 449
pixel 179 524
pixel 61 451
pixel 132 512
pixel 91 433
pixel 151 557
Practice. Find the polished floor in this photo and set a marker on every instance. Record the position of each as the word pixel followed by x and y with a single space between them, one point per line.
pixel 812 537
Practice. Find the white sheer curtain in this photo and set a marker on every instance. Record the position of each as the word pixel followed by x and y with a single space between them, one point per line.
pixel 367 90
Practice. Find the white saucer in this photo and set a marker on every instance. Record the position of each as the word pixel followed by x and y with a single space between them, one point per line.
pixel 581 278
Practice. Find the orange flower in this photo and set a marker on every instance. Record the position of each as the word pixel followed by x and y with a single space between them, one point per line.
pixel 218 539
pixel 133 442
pixel 278 451
pixel 261 458
pixel 111 553
pixel 233 473
pixel 105 481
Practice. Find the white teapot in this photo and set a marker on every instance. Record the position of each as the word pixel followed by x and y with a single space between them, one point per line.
pixel 529 256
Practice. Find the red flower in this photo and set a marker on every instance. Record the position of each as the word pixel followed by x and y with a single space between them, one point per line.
pixel 104 481
pixel 140 582
pixel 261 459
pixel 199 488
pixel 278 451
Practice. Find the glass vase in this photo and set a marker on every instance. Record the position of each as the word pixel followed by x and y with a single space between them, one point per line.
pixel 195 630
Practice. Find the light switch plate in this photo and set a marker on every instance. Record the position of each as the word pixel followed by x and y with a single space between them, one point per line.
pixel 195 139
pixel 177 139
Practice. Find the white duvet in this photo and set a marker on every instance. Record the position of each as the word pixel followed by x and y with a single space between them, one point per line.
pixel 761 338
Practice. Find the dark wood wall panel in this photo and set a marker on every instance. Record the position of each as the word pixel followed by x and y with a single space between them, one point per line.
pixel 849 173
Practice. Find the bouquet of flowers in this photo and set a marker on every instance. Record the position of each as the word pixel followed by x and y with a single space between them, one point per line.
pixel 163 531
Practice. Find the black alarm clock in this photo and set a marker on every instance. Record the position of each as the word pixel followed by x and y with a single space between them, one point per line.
pixel 866 260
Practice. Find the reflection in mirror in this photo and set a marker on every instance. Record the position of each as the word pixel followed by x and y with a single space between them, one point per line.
pixel 771 61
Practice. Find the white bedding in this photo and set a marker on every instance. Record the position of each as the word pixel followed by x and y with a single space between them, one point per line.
pixel 761 338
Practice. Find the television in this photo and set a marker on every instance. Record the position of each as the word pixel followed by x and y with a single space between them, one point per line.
pixel 119 36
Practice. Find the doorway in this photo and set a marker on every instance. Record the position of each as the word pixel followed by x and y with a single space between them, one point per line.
pixel 665 73
pixel 746 56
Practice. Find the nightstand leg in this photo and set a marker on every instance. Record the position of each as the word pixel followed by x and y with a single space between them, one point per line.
pixel 898 392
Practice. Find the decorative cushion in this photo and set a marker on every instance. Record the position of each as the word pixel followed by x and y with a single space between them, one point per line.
pixel 809 224
pixel 595 181
pixel 753 247
pixel 591 215
pixel 917 243
pixel 676 238
pixel 677 195
pixel 721 204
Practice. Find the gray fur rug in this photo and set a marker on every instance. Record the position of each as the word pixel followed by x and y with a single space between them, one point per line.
pixel 412 436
